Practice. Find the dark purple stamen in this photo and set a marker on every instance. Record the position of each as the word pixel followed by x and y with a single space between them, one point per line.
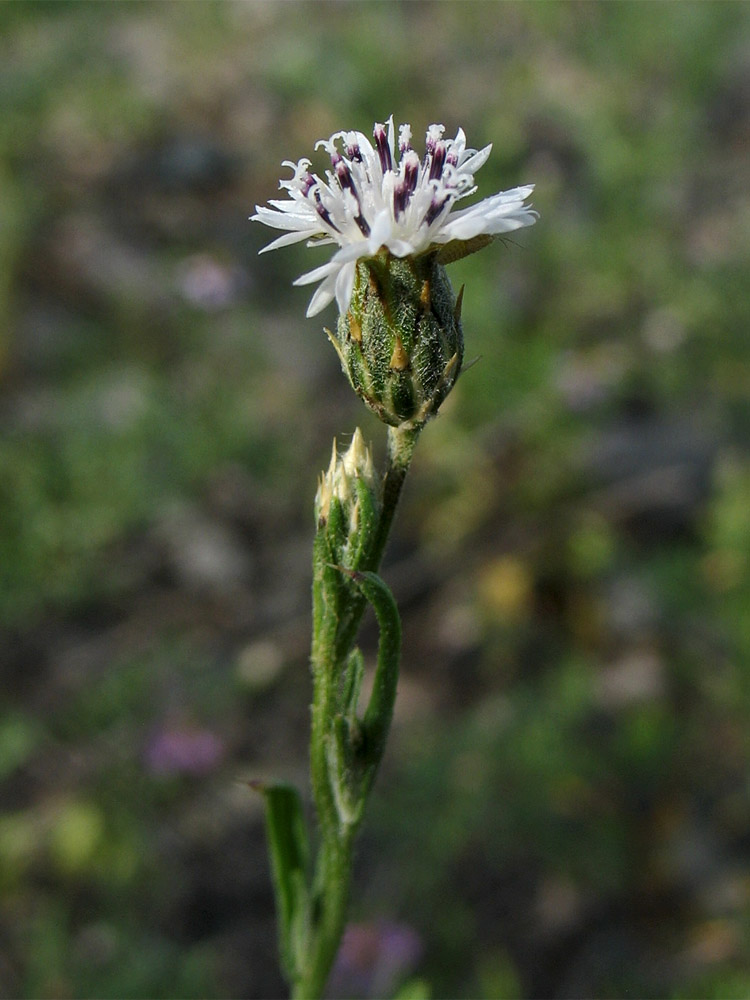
pixel 343 173
pixel 436 207
pixel 451 159
pixel 354 153
pixel 363 224
pixel 345 179
pixel 400 198
pixel 308 181
pixel 411 173
pixel 438 161
pixel 406 188
pixel 384 150
pixel 323 211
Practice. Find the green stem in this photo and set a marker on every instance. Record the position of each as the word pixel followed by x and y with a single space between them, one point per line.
pixel 401 444
pixel 324 673
pixel 334 634
pixel 331 897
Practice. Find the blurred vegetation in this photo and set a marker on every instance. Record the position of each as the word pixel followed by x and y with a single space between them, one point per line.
pixel 564 809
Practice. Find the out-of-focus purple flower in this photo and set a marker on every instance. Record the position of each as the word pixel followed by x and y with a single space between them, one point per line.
pixel 183 750
pixel 209 284
pixel 373 958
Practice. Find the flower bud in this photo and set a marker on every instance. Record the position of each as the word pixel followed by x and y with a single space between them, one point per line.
pixel 400 342
pixel 347 503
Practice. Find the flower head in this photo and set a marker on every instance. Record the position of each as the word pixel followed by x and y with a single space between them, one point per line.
pixel 382 194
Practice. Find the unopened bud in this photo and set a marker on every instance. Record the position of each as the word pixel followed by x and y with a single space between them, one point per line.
pixel 400 343
pixel 347 503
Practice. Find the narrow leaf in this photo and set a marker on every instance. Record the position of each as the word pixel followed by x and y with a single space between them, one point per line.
pixel 288 847
pixel 379 711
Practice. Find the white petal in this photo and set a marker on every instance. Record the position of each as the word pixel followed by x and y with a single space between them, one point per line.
pixel 284 241
pixel 344 286
pixel 381 229
pixel 316 240
pixel 278 221
pixel 317 274
pixel 512 194
pixel 491 215
pixel 353 251
pixel 462 228
pixel 297 206
pixel 322 297
pixel 402 248
pixel 484 218
pixel 460 139
pixel 502 201
pixel 391 141
pixel 476 160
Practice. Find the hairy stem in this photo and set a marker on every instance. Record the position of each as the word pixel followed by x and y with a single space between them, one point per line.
pixel 401 445
pixel 335 627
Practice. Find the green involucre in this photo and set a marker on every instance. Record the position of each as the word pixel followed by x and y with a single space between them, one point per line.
pixel 401 343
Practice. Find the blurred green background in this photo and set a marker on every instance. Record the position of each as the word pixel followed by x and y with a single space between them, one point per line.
pixel 564 809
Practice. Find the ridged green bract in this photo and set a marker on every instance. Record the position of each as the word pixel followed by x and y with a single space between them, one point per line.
pixel 400 342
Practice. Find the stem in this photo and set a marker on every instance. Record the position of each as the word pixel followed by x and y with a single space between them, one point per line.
pixel 401 445
pixel 333 877
pixel 333 639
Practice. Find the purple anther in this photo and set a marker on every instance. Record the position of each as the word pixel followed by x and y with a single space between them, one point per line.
pixel 451 159
pixel 343 173
pixel 308 182
pixel 364 226
pixel 408 185
pixel 354 153
pixel 345 179
pixel 323 211
pixel 384 150
pixel 438 161
pixel 436 207
pixel 400 198
pixel 411 171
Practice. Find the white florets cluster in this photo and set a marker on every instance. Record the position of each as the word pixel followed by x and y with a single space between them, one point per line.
pixel 373 198
pixel 340 481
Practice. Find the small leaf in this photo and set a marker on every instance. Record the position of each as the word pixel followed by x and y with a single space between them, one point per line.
pixel 377 719
pixel 457 249
pixel 289 850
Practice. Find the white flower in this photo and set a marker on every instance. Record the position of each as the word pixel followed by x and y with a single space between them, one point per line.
pixel 372 198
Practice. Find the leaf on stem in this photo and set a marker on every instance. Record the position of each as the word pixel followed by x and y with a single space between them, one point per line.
pixel 290 858
pixel 377 717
